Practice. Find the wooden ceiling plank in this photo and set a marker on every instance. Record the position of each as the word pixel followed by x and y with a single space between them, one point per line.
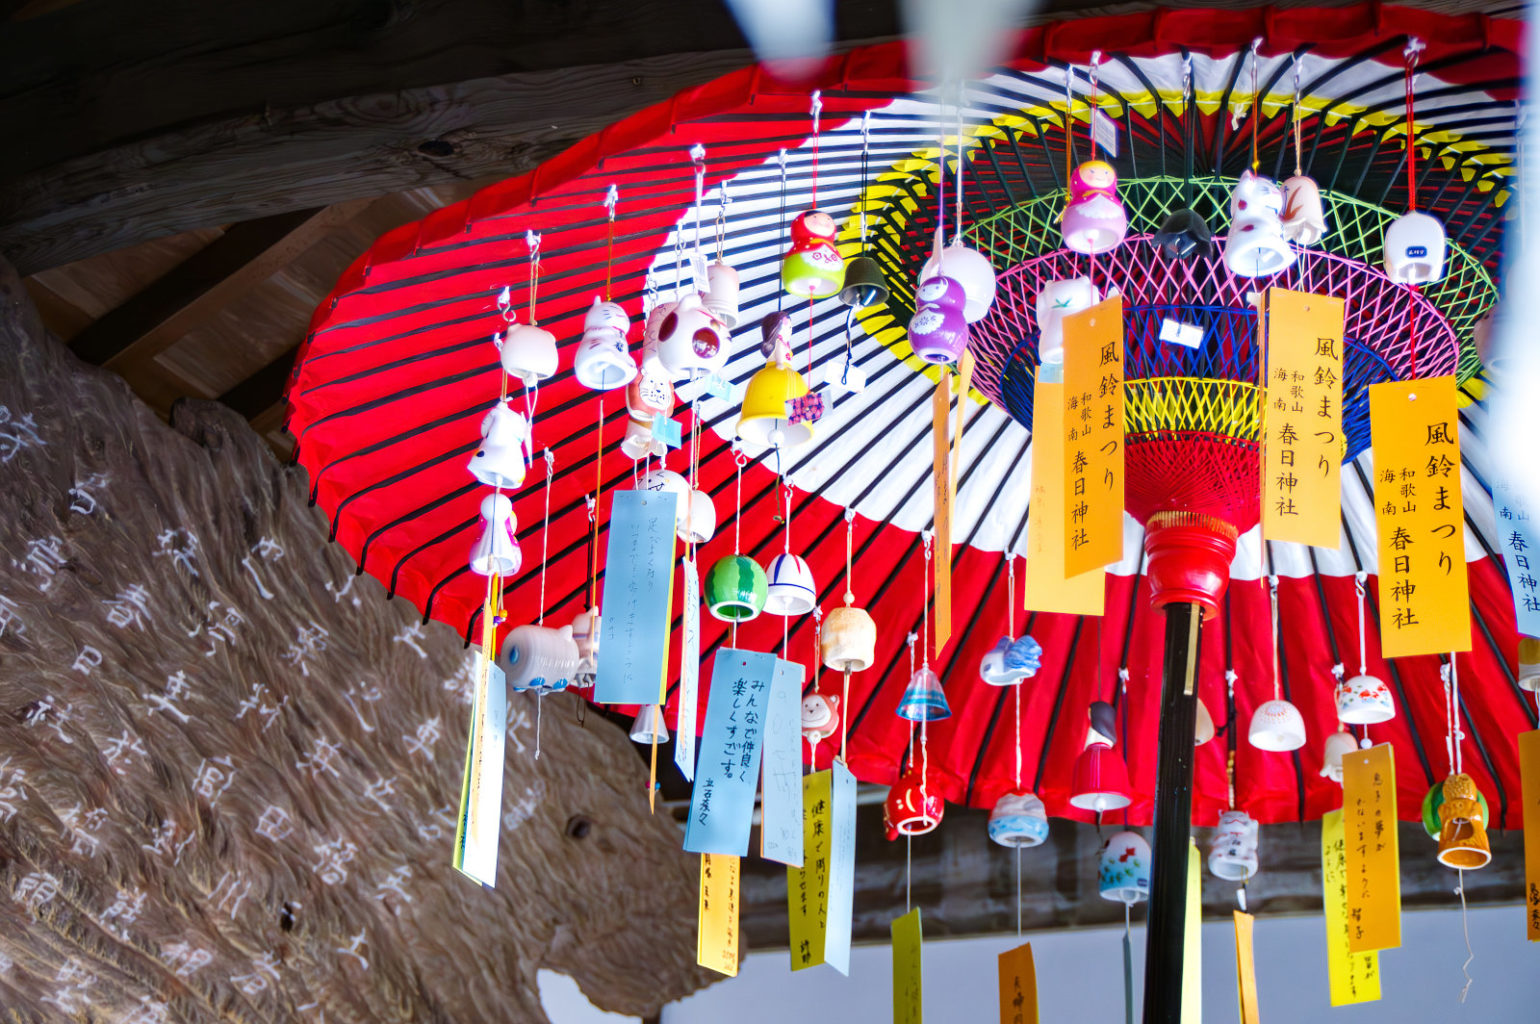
pixel 258 394
pixel 244 256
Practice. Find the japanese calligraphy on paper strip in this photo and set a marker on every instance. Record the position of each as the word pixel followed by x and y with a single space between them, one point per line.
pixel 1354 977
pixel 1424 592
pixel 780 830
pixel 1047 589
pixel 820 894
pixel 1018 986
pixel 727 773
pixel 1302 473
pixel 1529 773
pixel 1372 853
pixel 1518 532
pixel 717 947
pixel 1093 434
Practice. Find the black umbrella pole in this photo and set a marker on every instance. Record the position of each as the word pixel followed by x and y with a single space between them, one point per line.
pixel 1173 817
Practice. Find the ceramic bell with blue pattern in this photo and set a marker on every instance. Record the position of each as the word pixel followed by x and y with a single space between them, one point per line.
pixel 1018 819
pixel 1008 662
pixel 924 700
pixel 1123 871
pixel 540 658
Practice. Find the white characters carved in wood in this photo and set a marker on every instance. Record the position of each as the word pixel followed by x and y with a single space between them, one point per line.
pixel 275 824
pixel 44 557
pixel 181 546
pixel 129 608
pixel 332 860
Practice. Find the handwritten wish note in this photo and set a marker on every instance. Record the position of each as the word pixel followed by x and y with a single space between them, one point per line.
pixel 780 830
pixel 1302 474
pixel 1354 977
pixel 1093 433
pixel 689 672
pixel 908 1007
pixel 842 868
pixel 1518 532
pixel 807 887
pixel 722 801
pixel 717 947
pixel 1372 853
pixel 1529 775
pixel 1018 986
pixel 1047 589
pixel 481 785
pixel 1424 593
pixel 638 597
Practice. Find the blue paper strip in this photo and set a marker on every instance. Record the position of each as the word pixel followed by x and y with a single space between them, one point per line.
pixel 842 868
pixel 638 596
pixel 1517 533
pixel 727 771
pixel 666 430
pixel 780 830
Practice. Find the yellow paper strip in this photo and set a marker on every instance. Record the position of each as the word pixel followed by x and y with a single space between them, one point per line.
pixel 718 944
pixel 1046 588
pixel 1424 593
pixel 1302 478
pixel 907 997
pixel 940 407
pixel 1246 968
pixel 1372 851
pixel 1354 977
pixel 807 887
pixel 1093 431
pixel 1018 986
pixel 1529 774
pixel 1192 944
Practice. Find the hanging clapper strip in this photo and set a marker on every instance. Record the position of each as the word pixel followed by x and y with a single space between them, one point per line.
pixel 1360 578
pixel 1413 51
pixel 850 599
pixel 909 838
pixel 1454 737
pixel 545 562
pixel 816 664
pixel 1272 588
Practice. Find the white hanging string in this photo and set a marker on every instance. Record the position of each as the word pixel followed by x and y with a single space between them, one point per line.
pixel 1363 643
pixel 1470 954
pixel 1272 586
pixel 957 176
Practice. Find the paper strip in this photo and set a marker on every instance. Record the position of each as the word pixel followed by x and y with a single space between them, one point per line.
pixel 689 672
pixel 842 868
pixel 1302 477
pixel 907 969
pixel 1093 430
pixel 940 407
pixel 1529 774
pixel 1192 942
pixel 1372 854
pixel 807 887
pixel 717 947
pixel 481 786
pixel 1018 986
pixel 722 801
pixel 1354 977
pixel 1518 534
pixel 638 596
pixel 1424 593
pixel 1245 969
pixel 780 830
pixel 1046 589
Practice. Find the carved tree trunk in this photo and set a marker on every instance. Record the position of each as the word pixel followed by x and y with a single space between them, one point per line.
pixel 229 769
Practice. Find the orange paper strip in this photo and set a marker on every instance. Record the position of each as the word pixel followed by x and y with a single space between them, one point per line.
pixel 717 947
pixel 1424 593
pixel 1529 773
pixel 1245 969
pixel 940 407
pixel 1046 588
pixel 1302 476
pixel 1018 986
pixel 1372 853
pixel 1093 433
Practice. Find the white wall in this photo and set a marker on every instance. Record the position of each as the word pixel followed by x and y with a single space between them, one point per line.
pixel 1080 978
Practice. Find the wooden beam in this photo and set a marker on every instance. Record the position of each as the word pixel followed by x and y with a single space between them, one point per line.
pixel 131 121
pixel 258 393
pixel 244 256
pixel 966 884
